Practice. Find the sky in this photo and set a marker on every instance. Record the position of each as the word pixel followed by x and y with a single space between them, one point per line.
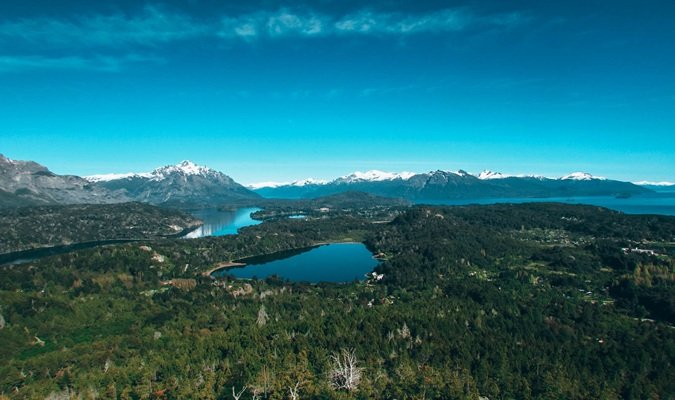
pixel 268 90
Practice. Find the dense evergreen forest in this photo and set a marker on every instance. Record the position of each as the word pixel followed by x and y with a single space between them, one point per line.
pixel 23 228
pixel 529 301
pixel 346 203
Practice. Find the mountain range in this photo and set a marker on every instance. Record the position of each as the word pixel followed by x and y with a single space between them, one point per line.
pixel 188 185
pixel 440 185
pixel 183 185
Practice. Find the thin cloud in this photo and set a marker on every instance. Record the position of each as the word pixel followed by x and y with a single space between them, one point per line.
pixel 98 63
pixel 274 24
pixel 145 32
pixel 366 22
pixel 289 23
pixel 151 27
pixel 154 26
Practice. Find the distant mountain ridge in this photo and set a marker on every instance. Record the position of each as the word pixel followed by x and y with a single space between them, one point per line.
pixel 439 185
pixel 189 185
pixel 183 185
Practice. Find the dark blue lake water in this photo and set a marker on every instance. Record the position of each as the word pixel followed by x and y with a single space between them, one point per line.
pixel 219 223
pixel 652 203
pixel 340 262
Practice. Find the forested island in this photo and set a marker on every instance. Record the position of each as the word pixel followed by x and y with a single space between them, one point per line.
pixel 528 301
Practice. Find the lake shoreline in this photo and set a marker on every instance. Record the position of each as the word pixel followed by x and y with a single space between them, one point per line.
pixel 32 254
pixel 223 265
pixel 320 262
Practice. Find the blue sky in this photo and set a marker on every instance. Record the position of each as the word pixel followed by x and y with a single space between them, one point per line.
pixel 272 90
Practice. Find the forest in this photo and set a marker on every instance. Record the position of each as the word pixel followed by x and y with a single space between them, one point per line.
pixel 24 228
pixel 528 301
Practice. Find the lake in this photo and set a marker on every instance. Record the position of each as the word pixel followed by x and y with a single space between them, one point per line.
pixel 339 262
pixel 652 203
pixel 219 223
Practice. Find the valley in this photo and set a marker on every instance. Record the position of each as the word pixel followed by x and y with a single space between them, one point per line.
pixel 528 300
pixel 510 299
pixel 337 200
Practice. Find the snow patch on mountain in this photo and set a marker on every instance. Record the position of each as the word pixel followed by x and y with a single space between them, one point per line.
pixel 184 168
pixel 308 181
pixel 649 183
pixel 581 176
pixel 374 176
pixel 487 174
pixel 260 185
pixel 114 177
pixel 298 183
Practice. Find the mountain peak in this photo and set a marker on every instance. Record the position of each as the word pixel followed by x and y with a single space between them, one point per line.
pixel 185 167
pixel 487 174
pixel 308 181
pixel 581 176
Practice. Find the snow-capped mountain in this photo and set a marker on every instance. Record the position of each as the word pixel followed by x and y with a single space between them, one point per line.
pixel 183 184
pixel 438 185
pixel 581 176
pixel 298 183
pixel 662 186
pixel 187 184
pixel 373 176
pixel 487 174
pixel 185 168
pixel 650 183
pixel 112 177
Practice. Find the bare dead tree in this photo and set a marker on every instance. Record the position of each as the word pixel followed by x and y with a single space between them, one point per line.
pixel 266 378
pixel 345 372
pixel 262 316
pixel 238 395
pixel 293 391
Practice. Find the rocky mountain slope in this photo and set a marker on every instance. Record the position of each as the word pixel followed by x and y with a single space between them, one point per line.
pixel 29 183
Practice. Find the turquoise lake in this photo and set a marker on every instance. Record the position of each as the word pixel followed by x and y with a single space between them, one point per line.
pixel 340 262
pixel 652 203
pixel 219 223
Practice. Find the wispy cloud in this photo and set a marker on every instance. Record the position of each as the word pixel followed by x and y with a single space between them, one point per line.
pixel 118 38
pixel 273 24
pixel 155 26
pixel 96 63
pixel 366 22
pixel 152 26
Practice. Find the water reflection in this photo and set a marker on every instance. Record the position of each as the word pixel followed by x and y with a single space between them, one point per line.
pixel 343 262
pixel 219 223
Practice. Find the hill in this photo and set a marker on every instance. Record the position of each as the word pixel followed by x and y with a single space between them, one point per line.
pixel 46 226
